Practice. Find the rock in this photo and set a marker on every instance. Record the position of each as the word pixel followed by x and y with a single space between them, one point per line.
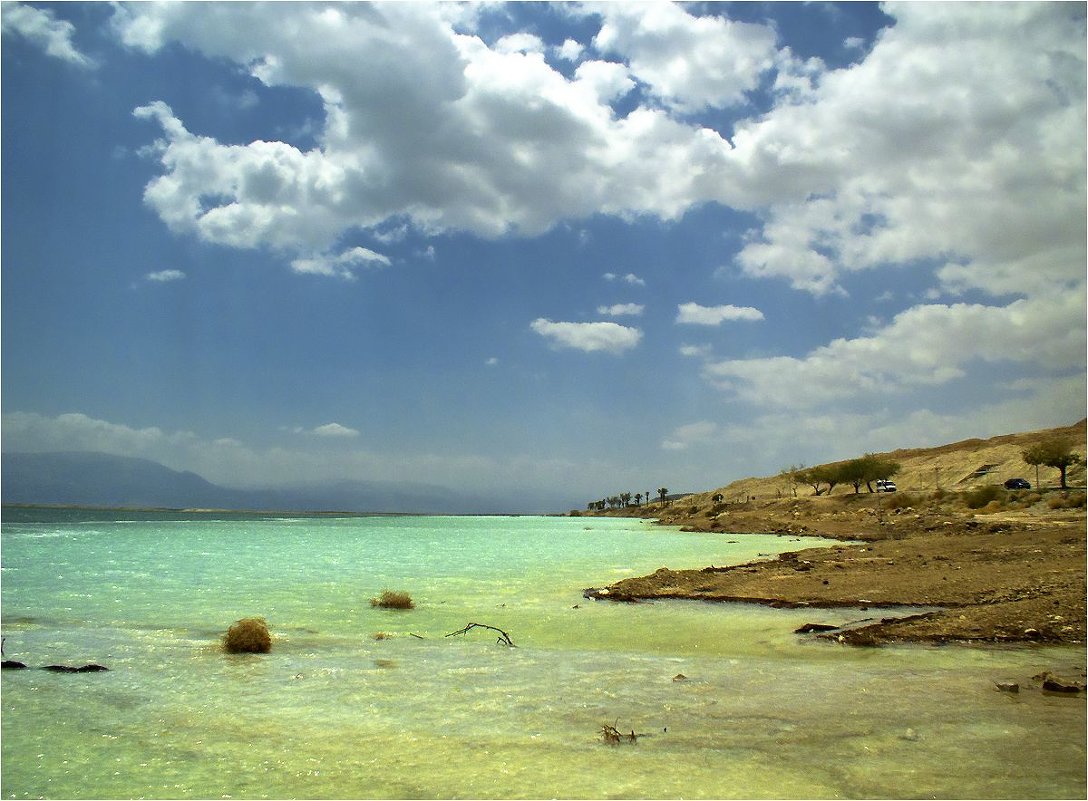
pixel 11 664
pixel 1055 684
pixel 69 669
pixel 679 677
pixel 1007 686
pixel 810 627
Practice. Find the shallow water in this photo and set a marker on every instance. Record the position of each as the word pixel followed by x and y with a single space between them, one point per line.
pixel 334 712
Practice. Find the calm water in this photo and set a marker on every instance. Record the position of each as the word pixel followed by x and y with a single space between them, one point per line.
pixel 334 712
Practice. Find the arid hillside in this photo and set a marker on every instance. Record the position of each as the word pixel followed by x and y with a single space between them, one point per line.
pixel 955 467
pixel 999 565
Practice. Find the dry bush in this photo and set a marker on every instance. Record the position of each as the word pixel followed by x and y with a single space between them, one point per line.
pixel 393 599
pixel 901 500
pixel 985 496
pixel 248 636
pixel 1066 501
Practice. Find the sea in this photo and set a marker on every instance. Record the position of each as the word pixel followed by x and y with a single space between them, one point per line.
pixel 355 701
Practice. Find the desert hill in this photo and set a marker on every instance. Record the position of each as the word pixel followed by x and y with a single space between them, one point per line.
pixel 999 565
pixel 955 467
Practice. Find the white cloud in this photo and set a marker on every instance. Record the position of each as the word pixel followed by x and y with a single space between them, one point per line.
pixel 39 26
pixel 423 125
pixel 958 139
pixel 922 346
pixel 570 50
pixel 491 361
pixel 621 309
pixel 694 314
pixel 589 337
pixel 696 351
pixel 341 265
pixel 688 62
pixel 630 278
pixel 520 43
pixel 27 431
pixel 335 431
pixel 164 276
pixel 685 436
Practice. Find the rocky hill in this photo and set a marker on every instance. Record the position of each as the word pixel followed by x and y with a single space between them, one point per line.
pixel 956 467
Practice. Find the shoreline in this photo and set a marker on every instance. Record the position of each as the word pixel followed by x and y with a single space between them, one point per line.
pixel 1017 577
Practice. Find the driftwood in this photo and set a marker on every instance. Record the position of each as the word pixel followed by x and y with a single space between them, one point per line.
pixel 613 736
pixel 504 638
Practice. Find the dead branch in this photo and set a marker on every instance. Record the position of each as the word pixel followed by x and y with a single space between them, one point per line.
pixel 504 638
pixel 612 735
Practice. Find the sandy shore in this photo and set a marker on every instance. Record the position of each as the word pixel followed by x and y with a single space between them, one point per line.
pixel 1012 577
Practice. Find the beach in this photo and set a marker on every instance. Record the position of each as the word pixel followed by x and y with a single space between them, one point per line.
pixel 1010 576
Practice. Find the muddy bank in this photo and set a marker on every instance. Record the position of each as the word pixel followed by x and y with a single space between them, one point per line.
pixel 1011 578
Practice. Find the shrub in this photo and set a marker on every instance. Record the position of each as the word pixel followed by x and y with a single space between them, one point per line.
pixel 984 496
pixel 248 636
pixel 1066 501
pixel 901 500
pixel 391 599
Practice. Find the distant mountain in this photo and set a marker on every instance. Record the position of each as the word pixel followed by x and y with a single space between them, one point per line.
pixel 100 479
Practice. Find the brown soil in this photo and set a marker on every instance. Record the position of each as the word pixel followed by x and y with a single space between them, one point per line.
pixel 1013 572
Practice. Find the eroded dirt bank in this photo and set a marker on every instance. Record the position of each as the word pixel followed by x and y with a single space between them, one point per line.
pixel 1017 577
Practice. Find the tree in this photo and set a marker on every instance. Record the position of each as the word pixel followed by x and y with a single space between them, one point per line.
pixel 625 499
pixel 662 491
pixel 638 499
pixel 1052 453
pixel 866 470
pixel 879 468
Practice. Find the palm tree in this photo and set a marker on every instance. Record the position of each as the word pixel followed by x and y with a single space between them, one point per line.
pixel 638 499
pixel 662 491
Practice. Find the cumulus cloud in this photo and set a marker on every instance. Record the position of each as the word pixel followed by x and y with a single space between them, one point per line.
pixel 958 139
pixel 688 62
pixel 589 337
pixel 621 309
pixel 423 124
pixel 922 346
pixel 694 314
pixel 165 276
pixel 570 50
pixel 44 30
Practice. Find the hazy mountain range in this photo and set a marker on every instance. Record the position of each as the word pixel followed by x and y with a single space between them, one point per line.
pixel 100 479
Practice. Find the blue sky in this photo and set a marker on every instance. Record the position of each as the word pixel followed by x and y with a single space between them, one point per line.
pixel 552 251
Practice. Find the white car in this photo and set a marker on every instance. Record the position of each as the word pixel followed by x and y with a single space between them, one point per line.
pixel 883 485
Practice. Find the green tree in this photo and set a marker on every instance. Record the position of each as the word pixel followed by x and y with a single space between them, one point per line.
pixel 879 467
pixel 662 491
pixel 1053 453
pixel 638 499
pixel 820 474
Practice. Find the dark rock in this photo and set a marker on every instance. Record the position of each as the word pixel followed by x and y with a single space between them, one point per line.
pixel 11 664
pixel 70 669
pixel 1054 684
pixel 810 627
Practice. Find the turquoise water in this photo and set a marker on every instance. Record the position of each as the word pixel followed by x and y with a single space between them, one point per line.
pixel 335 711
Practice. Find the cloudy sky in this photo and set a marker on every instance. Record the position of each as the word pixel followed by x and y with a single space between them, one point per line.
pixel 553 250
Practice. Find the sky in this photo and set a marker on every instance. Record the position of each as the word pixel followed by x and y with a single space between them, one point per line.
pixel 553 251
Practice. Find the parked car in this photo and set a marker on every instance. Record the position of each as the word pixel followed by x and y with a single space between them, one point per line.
pixel 1017 483
pixel 883 485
